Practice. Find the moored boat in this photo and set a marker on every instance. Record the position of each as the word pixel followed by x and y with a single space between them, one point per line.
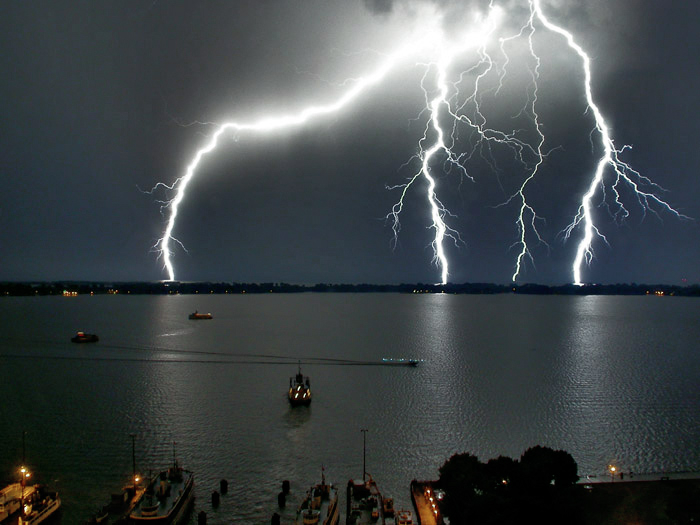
pixel 197 315
pixel 299 389
pixel 39 506
pixel 123 503
pixel 82 337
pixel 366 505
pixel 404 517
pixel 364 502
pixel 11 498
pixel 167 499
pixel 320 505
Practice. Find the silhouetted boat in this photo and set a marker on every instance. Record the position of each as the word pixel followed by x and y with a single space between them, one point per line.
pixel 197 315
pixel 82 337
pixel 319 506
pixel 122 504
pixel 11 499
pixel 299 389
pixel 168 498
pixel 39 506
pixel 33 503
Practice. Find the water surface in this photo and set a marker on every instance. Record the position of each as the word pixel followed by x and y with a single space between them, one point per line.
pixel 609 379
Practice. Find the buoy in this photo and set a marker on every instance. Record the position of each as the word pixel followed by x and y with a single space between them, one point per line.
pixel 202 518
pixel 275 519
pixel 223 485
pixel 285 486
pixel 281 499
pixel 215 499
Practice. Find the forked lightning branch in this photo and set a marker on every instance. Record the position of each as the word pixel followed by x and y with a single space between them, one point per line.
pixel 452 105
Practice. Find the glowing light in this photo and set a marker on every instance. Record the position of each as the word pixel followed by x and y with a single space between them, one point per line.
pixel 441 101
pixel 450 108
pixel 265 125
pixel 623 172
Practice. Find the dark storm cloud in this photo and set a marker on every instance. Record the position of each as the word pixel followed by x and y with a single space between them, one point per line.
pixel 381 7
pixel 452 10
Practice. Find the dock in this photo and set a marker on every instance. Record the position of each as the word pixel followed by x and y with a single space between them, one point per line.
pixel 425 503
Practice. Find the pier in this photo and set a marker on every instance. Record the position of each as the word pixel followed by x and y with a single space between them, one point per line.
pixel 425 503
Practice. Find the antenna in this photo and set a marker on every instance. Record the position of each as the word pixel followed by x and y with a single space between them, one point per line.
pixel 364 451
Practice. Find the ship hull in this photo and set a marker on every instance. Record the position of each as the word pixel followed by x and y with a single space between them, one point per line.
pixel 178 512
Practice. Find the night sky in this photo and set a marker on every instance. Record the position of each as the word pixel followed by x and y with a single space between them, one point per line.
pixel 102 100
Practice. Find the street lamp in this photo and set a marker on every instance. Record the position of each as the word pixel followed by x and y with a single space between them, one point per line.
pixel 612 469
pixel 24 472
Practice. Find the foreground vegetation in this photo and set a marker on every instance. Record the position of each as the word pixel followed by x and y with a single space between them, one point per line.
pixel 541 487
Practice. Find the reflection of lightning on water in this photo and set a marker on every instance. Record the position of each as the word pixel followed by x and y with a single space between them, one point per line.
pixel 452 108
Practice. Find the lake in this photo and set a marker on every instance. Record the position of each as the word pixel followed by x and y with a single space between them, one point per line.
pixel 608 379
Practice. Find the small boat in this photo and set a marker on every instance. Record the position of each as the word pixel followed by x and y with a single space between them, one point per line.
pixel 404 517
pixel 197 315
pixel 168 498
pixel 82 337
pixel 39 506
pixel 388 507
pixel 299 389
pixel 320 505
pixel 401 361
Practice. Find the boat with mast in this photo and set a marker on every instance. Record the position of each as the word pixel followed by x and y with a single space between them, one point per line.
pixel 168 497
pixel 366 504
pixel 33 503
pixel 320 505
pixel 117 511
pixel 299 389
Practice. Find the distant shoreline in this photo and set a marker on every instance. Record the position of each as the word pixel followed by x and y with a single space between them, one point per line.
pixel 36 288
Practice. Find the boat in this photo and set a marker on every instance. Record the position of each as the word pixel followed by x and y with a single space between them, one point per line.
pixel 33 503
pixel 319 506
pixel 39 506
pixel 197 315
pixel 364 502
pixel 367 505
pixel 122 504
pixel 299 389
pixel 404 517
pixel 11 498
pixel 82 337
pixel 117 511
pixel 168 498
pixel 401 361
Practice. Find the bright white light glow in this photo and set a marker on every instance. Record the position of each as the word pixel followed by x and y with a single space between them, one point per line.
pixel 450 107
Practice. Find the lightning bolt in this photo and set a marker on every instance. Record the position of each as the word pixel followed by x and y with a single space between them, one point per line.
pixel 288 121
pixel 429 149
pixel 623 172
pixel 265 125
pixel 455 111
